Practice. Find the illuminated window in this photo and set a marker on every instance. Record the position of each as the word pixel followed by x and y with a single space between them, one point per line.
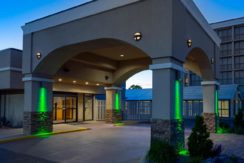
pixel 224 108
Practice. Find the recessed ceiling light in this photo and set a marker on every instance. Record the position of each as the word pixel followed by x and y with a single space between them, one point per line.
pixel 60 79
pixel 122 55
pixel 74 81
pixel 87 83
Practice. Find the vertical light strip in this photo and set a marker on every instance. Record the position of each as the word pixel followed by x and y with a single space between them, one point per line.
pixel 177 100
pixel 42 100
pixel 216 103
pixel 117 102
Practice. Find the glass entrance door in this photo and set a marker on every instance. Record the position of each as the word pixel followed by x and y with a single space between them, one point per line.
pixel 88 107
pixel 64 108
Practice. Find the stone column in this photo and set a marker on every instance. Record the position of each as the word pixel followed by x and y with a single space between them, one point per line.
pixel 210 104
pixel 113 104
pixel 37 105
pixel 167 121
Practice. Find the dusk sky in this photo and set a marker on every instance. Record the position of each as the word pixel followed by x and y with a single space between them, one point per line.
pixel 15 13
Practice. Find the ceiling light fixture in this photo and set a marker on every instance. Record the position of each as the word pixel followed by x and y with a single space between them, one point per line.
pixel 87 83
pixel 60 79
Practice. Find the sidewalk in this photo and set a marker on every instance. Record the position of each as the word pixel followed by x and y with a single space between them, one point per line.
pixel 15 134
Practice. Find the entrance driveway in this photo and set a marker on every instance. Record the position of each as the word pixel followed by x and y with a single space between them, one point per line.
pixel 104 143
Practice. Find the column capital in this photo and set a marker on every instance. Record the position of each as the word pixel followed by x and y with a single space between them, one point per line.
pixel 37 79
pixel 210 83
pixel 168 65
pixel 113 88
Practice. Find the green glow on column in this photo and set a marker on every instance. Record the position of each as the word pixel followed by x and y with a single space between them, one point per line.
pixel 43 117
pixel 218 129
pixel 117 102
pixel 177 100
pixel 43 100
pixel 216 103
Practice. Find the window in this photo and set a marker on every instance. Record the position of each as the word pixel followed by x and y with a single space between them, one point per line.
pixel 224 109
pixel 225 34
pixel 192 108
pixel 226 77
pixel 239 77
pixel 226 50
pixel 226 64
pixel 239 33
pixel 239 48
pixel 195 80
pixel 239 62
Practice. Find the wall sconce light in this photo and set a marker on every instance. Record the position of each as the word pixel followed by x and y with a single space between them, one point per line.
pixel 38 55
pixel 189 43
pixel 137 36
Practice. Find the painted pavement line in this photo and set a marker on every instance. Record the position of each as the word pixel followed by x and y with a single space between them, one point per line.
pixel 7 140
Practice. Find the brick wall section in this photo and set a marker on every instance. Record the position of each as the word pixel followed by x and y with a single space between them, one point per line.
pixel 210 121
pixel 171 131
pixel 36 122
pixel 112 116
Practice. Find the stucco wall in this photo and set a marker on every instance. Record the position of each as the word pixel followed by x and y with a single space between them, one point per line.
pixel 13 104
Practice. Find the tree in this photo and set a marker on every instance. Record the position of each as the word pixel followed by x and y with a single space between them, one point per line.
pixel 135 87
pixel 199 144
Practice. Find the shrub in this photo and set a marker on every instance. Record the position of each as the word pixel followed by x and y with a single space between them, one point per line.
pixel 199 144
pixel 239 122
pixel 161 152
pixel 4 122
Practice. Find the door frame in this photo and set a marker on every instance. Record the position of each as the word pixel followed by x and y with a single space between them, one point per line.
pixel 65 95
pixel 84 110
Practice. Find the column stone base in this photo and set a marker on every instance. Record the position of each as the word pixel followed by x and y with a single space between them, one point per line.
pixel 210 121
pixel 37 123
pixel 171 131
pixel 113 116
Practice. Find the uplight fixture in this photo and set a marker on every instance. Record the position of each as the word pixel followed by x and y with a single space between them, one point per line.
pixel 38 55
pixel 137 36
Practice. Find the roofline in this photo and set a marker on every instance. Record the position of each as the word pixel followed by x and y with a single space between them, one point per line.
pixel 197 15
pixel 14 49
pixel 59 12
pixel 78 12
pixel 228 23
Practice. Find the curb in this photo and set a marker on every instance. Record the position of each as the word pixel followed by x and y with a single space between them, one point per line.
pixel 7 140
pixel 126 123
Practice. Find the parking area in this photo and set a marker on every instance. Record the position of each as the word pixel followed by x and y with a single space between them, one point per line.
pixel 102 144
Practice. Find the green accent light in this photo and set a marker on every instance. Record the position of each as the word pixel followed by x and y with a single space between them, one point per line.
pixel 117 102
pixel 43 100
pixel 43 117
pixel 216 103
pixel 184 152
pixel 218 129
pixel 177 100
